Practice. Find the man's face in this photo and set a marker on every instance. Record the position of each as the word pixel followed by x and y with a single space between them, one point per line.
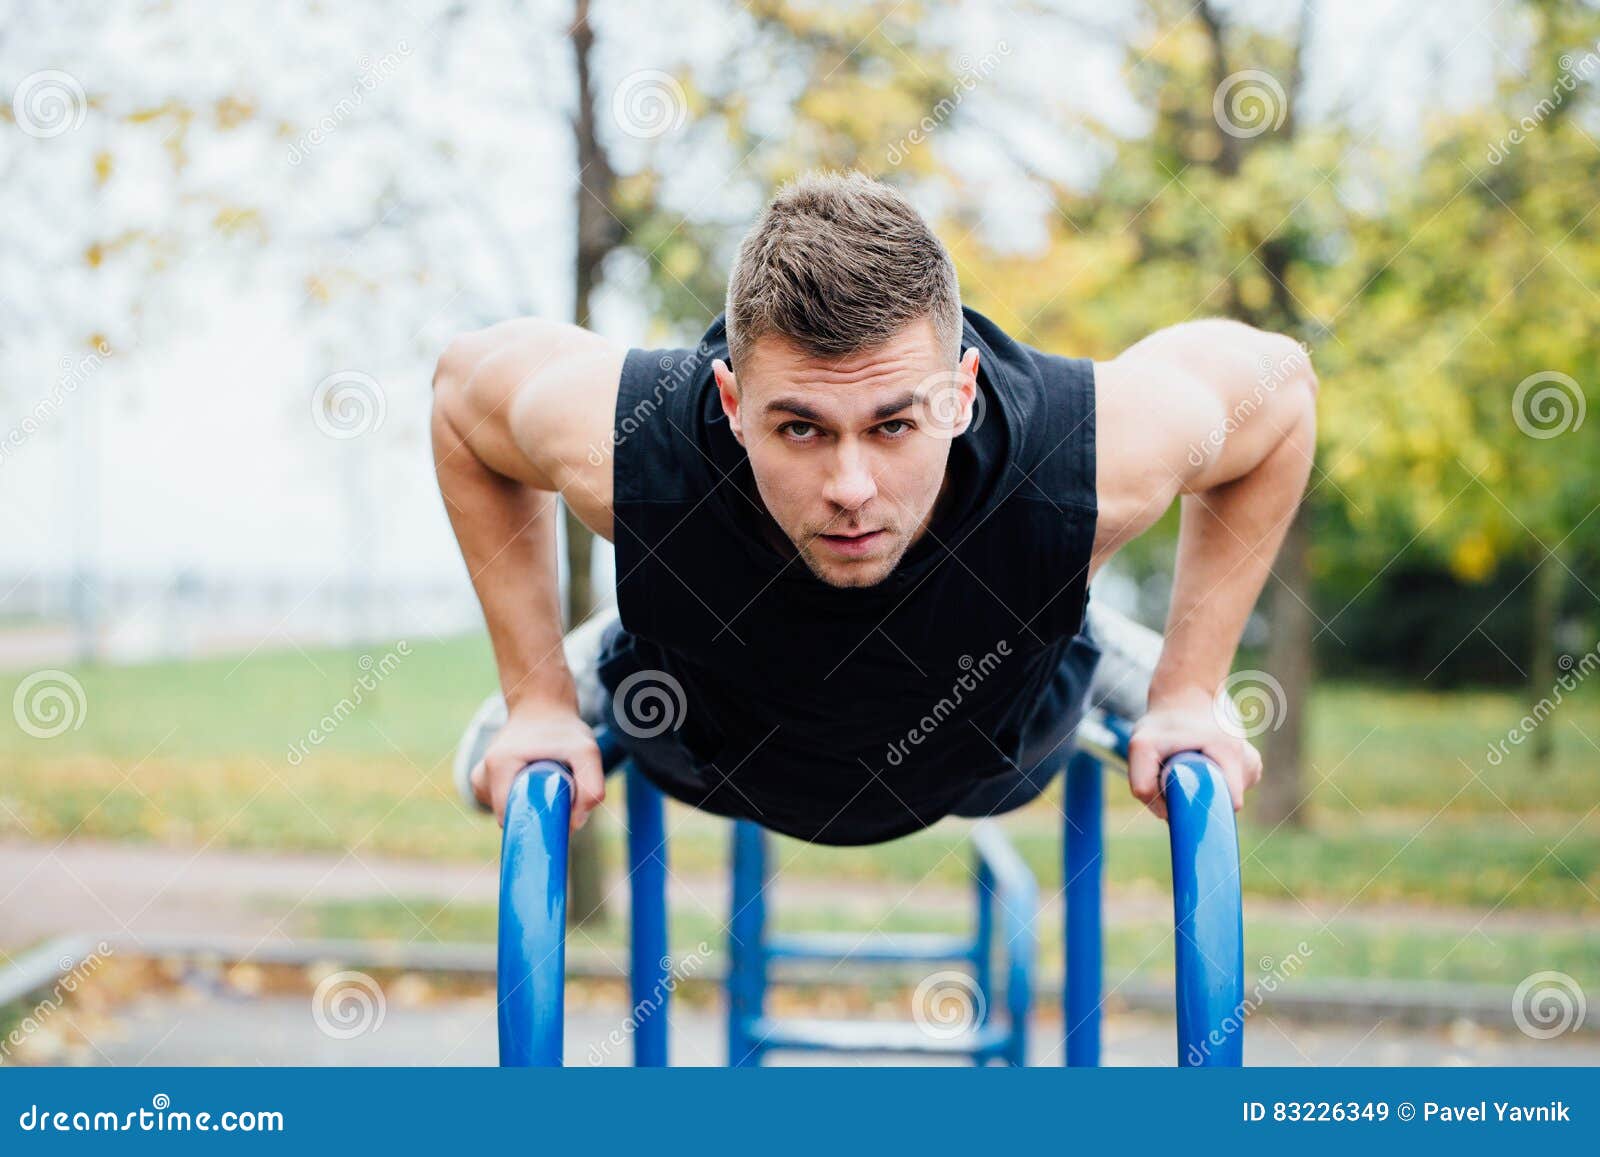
pixel 849 453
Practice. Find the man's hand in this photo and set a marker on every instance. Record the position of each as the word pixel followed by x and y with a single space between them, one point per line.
pixel 540 731
pixel 1188 721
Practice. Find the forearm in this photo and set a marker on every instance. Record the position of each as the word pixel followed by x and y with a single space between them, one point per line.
pixel 507 533
pixel 1228 537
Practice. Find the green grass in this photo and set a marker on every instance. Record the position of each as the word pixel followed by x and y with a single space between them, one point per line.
pixel 1405 805
pixel 1348 948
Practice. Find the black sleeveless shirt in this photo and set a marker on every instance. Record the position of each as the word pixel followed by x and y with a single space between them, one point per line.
pixel 845 715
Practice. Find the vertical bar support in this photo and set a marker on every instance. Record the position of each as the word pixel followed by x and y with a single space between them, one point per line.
pixel 747 970
pixel 649 972
pixel 1208 910
pixel 983 942
pixel 532 957
pixel 1084 869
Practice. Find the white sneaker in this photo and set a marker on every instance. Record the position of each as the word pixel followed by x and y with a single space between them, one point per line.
pixel 582 648
pixel 475 740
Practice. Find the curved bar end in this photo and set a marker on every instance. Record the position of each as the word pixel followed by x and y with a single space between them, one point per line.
pixel 532 955
pixel 1208 910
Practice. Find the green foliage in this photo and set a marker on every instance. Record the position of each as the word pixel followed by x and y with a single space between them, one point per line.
pixel 1384 762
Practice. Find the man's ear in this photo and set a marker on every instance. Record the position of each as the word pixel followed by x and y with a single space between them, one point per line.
pixel 728 391
pixel 967 383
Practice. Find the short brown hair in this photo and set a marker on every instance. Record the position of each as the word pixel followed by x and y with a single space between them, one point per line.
pixel 840 263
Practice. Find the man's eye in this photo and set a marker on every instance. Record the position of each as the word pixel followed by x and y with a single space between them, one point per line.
pixel 800 431
pixel 900 426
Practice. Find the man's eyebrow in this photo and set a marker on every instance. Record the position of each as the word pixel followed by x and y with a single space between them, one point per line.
pixel 793 406
pixel 800 410
pixel 894 407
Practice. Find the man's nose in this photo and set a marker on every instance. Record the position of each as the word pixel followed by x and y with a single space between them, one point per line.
pixel 851 484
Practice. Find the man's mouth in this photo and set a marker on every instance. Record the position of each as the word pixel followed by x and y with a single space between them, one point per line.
pixel 853 545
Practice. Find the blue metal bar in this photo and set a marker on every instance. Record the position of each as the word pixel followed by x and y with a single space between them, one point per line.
pixel 747 970
pixel 1018 897
pixel 879 948
pixel 983 941
pixel 1083 864
pixel 1209 913
pixel 649 963
pixel 532 960
pixel 612 753
pixel 798 1034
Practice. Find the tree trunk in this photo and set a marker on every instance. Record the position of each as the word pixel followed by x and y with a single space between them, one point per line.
pixel 1281 795
pixel 597 235
pixel 1549 587
pixel 586 884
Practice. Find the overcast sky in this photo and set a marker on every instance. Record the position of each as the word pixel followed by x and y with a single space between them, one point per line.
pixel 196 446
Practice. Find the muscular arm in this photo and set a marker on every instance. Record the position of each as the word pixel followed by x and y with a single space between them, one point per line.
pixel 523 411
pixel 1224 416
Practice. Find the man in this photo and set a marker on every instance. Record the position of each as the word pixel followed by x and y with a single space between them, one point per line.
pixel 855 529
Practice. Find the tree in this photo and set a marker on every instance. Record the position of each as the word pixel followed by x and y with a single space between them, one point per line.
pixel 1221 207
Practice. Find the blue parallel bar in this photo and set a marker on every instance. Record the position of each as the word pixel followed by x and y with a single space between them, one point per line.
pixel 983 942
pixel 1017 895
pixel 611 750
pixel 1082 846
pixel 531 972
pixel 990 1042
pixel 929 947
pixel 649 963
pixel 1209 914
pixel 747 959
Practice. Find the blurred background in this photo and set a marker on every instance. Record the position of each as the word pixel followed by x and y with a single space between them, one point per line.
pixel 239 642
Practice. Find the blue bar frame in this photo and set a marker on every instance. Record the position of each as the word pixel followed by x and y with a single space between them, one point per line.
pixel 1207 913
pixel 747 950
pixel 1083 870
pixel 532 964
pixel 649 964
